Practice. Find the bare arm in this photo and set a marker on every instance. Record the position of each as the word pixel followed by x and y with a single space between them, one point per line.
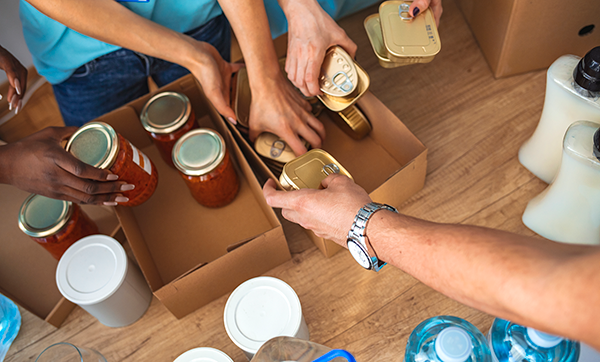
pixel 549 286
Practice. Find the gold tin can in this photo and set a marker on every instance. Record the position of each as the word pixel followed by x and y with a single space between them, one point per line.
pixel 373 28
pixel 270 146
pixel 408 40
pixel 308 170
pixel 342 80
pixel 352 121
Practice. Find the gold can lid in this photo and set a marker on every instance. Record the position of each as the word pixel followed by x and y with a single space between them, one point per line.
pixel 41 216
pixel 405 36
pixel 339 77
pixel 308 170
pixel 95 143
pixel 198 152
pixel 272 147
pixel 373 27
pixel 166 112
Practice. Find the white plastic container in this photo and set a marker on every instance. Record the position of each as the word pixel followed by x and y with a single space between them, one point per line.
pixel 260 309
pixel 566 102
pixel 95 274
pixel 203 354
pixel 569 209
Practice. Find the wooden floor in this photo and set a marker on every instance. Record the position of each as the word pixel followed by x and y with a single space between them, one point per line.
pixel 473 126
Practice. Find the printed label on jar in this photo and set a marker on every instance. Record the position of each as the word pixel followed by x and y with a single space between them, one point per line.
pixel 143 161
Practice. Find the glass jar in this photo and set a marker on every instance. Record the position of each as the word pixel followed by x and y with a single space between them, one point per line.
pixel 54 224
pixel 166 117
pixel 204 163
pixel 98 145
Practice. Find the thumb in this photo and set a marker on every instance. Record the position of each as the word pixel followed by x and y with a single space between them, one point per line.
pixel 329 179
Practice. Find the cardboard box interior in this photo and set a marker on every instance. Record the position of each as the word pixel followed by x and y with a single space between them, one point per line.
pixel 190 254
pixel 27 270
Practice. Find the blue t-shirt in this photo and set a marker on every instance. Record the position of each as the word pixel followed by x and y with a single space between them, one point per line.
pixel 58 51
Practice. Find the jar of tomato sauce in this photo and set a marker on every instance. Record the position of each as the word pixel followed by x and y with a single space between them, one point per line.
pixel 54 224
pixel 98 145
pixel 204 163
pixel 166 117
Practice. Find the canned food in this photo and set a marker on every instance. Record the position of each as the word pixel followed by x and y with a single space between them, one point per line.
pixel 98 145
pixel 352 121
pixel 342 80
pixel 54 224
pixel 308 170
pixel 274 151
pixel 204 164
pixel 166 117
pixel 373 28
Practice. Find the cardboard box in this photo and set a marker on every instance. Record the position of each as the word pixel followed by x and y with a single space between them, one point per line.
pixel 518 36
pixel 190 254
pixel 390 163
pixel 27 270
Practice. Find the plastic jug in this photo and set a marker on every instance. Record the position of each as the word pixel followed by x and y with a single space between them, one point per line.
pixel 10 323
pixel 289 349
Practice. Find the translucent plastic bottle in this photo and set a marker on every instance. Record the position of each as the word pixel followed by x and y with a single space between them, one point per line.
pixel 511 342
pixel 10 323
pixel 289 349
pixel 572 94
pixel 446 339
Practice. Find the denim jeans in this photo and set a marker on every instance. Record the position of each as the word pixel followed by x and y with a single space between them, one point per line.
pixel 117 78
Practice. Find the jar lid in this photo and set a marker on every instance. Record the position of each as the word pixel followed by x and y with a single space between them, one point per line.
pixel 542 339
pixel 198 152
pixel 166 112
pixel 91 270
pixel 587 71
pixel 453 344
pixel 203 354
pixel 95 143
pixel 260 309
pixel 41 216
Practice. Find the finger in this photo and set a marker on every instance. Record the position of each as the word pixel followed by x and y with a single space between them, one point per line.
pixel 83 198
pixel 313 71
pixel 23 80
pixel 302 63
pixel 291 63
pixel 329 179
pixel 295 143
pixel 436 7
pixel 349 46
pixel 417 7
pixel 12 98
pixel 91 187
pixel 317 126
pixel 63 133
pixel 290 215
pixel 270 191
pixel 217 98
pixel 72 165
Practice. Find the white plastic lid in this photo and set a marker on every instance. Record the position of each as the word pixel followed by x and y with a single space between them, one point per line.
pixel 203 354
pixel 453 344
pixel 542 339
pixel 91 270
pixel 260 309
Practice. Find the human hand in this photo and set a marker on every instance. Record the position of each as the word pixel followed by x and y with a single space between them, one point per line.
pixel 39 164
pixel 278 108
pixel 311 32
pixel 418 6
pixel 17 79
pixel 329 213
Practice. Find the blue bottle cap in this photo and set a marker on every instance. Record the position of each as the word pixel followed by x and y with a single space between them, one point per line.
pixel 453 344
pixel 543 340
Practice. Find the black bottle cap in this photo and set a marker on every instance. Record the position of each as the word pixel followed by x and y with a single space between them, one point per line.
pixel 597 144
pixel 587 71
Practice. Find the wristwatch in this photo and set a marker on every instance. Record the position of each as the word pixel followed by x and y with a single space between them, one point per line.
pixel 357 241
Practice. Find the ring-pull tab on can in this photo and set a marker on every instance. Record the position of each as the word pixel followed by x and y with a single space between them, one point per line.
pixel 330 169
pixel 277 148
pixel 403 12
pixel 346 86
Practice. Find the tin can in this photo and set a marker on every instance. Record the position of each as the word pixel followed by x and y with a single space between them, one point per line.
pixel 274 151
pixel 54 224
pixel 98 145
pixel 342 80
pixel 204 164
pixel 166 117
pixel 308 170
pixel 352 121
pixel 373 28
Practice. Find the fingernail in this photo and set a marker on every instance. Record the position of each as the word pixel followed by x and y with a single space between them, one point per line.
pixel 112 177
pixel 127 187
pixel 232 120
pixel 18 86
pixel 19 104
pixel 13 102
pixel 121 199
pixel 0 96
pixel 416 11
pixel 110 203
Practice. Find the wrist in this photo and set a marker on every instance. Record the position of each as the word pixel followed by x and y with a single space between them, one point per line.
pixel 5 166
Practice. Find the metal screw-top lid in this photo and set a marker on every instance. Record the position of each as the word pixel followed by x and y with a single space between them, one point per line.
pixel 166 112
pixel 587 71
pixel 198 152
pixel 597 144
pixel 96 144
pixel 41 216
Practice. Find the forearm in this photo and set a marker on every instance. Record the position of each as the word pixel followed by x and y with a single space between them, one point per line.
pixel 110 22
pixel 546 285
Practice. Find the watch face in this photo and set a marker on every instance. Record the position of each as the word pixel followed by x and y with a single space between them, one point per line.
pixel 359 254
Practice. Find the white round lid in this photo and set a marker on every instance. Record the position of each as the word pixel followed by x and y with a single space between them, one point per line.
pixel 542 339
pixel 260 309
pixel 91 270
pixel 203 354
pixel 453 344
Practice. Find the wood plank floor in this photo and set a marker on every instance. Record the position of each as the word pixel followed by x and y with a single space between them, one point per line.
pixel 473 126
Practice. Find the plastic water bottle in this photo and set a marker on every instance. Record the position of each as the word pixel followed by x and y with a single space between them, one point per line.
pixel 511 342
pixel 446 339
pixel 10 323
pixel 286 349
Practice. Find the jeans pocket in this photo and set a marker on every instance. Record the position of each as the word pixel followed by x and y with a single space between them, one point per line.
pixel 82 71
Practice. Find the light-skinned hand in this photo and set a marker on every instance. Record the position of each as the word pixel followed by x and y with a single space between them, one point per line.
pixel 418 6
